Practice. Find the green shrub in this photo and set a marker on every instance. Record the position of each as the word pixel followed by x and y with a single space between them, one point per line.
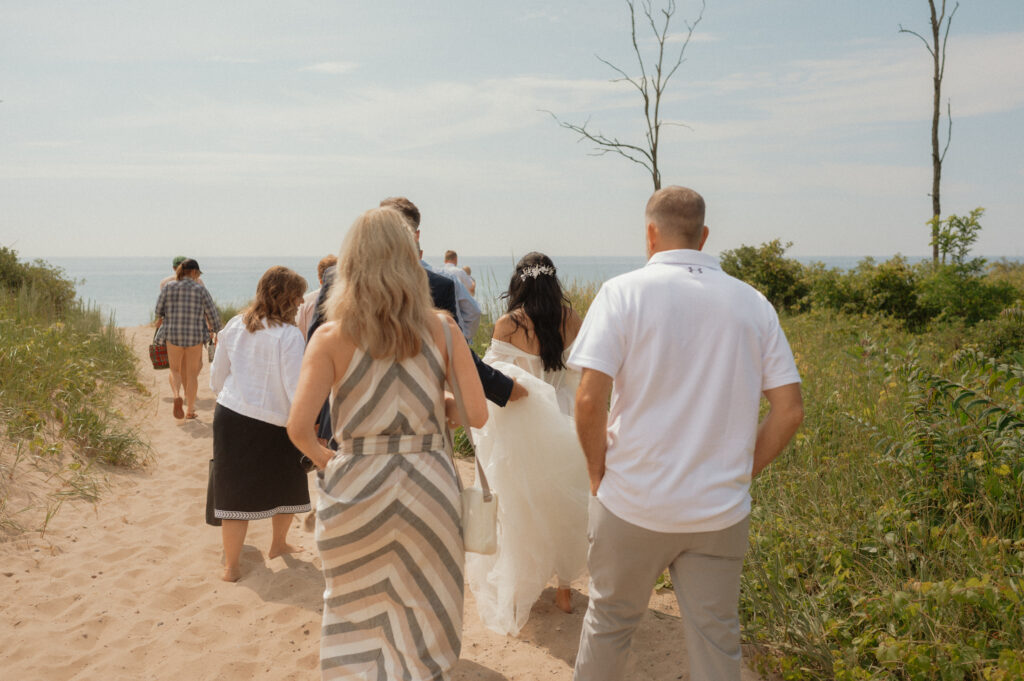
pixel 53 293
pixel 1002 337
pixel 1006 271
pixel 780 279
pixel 959 292
pixel 890 288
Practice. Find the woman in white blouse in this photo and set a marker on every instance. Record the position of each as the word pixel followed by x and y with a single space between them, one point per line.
pixel 256 470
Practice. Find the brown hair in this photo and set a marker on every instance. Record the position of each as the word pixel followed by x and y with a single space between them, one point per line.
pixel 404 206
pixel 380 295
pixel 325 263
pixel 276 295
pixel 451 256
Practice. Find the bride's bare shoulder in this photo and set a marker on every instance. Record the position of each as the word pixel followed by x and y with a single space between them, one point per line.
pixel 504 328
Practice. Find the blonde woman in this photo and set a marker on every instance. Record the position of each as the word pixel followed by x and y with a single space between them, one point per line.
pixel 256 470
pixel 186 316
pixel 388 526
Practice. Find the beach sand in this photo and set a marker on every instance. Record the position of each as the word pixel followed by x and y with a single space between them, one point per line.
pixel 129 588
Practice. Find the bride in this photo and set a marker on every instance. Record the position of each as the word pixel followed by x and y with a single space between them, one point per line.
pixel 531 455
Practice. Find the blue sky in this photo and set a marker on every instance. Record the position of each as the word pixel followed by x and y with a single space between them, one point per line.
pixel 257 128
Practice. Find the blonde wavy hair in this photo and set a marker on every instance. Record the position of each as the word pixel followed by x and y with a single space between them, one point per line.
pixel 277 299
pixel 380 295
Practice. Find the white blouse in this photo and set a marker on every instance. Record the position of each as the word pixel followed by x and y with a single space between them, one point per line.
pixel 256 374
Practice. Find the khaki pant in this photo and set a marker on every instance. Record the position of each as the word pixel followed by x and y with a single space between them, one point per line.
pixel 624 562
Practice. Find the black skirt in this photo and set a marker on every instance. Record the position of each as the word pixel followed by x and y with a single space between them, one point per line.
pixel 257 472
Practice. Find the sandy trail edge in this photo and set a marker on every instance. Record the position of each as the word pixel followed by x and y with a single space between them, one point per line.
pixel 129 588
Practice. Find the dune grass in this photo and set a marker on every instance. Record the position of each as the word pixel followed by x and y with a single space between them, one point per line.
pixel 63 370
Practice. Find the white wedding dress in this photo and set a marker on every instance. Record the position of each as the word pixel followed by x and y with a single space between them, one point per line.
pixel 532 458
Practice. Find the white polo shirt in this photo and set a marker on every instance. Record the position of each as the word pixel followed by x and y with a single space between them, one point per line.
pixel 690 350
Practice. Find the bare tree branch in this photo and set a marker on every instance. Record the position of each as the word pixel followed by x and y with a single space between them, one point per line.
pixel 915 33
pixel 949 131
pixel 945 38
pixel 650 84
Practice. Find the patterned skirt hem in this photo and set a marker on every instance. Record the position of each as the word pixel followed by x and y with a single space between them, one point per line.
pixel 258 515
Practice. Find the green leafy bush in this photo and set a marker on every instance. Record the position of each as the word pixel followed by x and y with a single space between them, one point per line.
pixel 1006 271
pixel 959 293
pixel 1002 337
pixel 780 279
pixel 52 292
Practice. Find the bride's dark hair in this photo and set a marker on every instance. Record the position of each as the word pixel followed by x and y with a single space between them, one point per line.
pixel 536 292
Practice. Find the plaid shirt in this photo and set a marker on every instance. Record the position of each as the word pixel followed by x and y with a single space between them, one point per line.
pixel 185 307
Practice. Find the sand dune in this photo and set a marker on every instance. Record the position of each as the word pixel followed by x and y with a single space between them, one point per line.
pixel 129 589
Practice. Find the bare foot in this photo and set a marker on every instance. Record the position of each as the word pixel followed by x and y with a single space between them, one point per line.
pixel 563 600
pixel 231 574
pixel 276 551
pixel 179 408
pixel 191 415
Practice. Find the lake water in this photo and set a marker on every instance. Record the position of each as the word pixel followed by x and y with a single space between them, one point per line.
pixel 128 287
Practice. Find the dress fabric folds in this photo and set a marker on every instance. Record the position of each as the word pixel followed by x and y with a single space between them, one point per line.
pixel 532 458
pixel 389 527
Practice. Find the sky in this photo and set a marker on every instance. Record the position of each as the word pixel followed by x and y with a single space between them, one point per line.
pixel 260 128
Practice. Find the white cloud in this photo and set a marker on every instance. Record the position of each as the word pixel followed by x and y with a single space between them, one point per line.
pixel 860 88
pixel 332 67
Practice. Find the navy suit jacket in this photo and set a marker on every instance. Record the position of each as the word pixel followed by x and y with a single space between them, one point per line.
pixel 497 386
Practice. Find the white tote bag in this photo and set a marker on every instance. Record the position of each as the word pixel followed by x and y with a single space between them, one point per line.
pixel 479 503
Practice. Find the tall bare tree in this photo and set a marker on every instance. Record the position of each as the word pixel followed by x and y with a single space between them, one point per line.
pixel 937 49
pixel 651 84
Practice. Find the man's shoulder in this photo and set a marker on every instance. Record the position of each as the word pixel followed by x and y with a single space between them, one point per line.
pixel 439 280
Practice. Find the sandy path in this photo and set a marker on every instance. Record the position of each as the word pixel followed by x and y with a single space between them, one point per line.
pixel 129 588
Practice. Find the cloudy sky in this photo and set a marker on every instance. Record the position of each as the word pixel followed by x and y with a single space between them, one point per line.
pixel 258 128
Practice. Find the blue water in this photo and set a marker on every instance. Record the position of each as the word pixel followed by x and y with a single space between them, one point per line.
pixel 128 287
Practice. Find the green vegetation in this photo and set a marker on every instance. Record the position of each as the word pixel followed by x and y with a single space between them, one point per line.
pixel 956 290
pixel 226 312
pixel 61 371
pixel 888 541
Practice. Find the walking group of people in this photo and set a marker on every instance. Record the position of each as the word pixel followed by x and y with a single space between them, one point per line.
pixel 621 444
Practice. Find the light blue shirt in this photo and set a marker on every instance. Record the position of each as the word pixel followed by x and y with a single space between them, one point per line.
pixel 467 309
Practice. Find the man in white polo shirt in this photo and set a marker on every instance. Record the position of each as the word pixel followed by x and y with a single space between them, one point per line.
pixel 685 352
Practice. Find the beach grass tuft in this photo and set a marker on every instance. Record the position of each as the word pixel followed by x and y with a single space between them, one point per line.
pixel 63 370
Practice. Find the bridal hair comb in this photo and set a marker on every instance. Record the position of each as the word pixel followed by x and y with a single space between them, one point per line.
pixel 535 271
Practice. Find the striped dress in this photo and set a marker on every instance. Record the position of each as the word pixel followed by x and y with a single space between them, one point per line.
pixel 389 527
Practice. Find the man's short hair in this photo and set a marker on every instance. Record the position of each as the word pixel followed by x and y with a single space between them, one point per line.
pixel 325 263
pixel 404 206
pixel 678 212
pixel 451 256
